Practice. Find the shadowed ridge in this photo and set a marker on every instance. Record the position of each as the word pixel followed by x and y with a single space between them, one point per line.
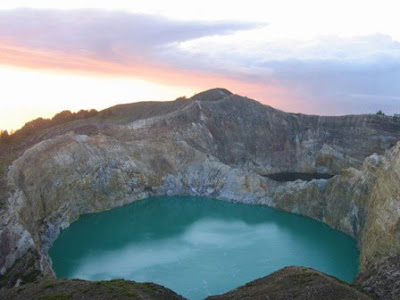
pixel 140 110
pixel 212 95
pixel 51 288
pixel 294 283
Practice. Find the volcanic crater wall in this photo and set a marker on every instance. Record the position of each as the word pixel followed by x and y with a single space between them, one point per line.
pixel 215 144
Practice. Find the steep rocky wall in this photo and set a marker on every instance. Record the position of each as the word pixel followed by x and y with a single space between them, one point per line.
pixel 244 133
pixel 62 178
pixel 365 203
pixel 220 148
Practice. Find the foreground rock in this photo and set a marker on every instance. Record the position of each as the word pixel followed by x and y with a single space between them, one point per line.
pixel 58 289
pixel 382 281
pixel 294 283
pixel 215 144
pixel 288 283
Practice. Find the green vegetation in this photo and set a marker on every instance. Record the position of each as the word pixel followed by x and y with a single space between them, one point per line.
pixel 61 296
pixel 39 124
pixel 60 118
pixel 113 282
pixel 395 117
pixel 59 289
pixel 50 285
pixel 4 136
pixel 181 98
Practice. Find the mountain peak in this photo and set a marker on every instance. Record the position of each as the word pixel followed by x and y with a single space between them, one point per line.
pixel 212 94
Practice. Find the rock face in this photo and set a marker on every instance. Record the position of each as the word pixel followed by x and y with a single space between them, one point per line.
pixel 364 203
pixel 383 280
pixel 215 144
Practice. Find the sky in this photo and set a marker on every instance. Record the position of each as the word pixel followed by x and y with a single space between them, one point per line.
pixel 311 56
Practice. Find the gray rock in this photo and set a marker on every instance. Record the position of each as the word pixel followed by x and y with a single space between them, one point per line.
pixel 215 144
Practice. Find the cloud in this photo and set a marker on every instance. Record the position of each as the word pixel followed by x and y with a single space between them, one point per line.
pixel 82 37
pixel 336 87
pixel 325 75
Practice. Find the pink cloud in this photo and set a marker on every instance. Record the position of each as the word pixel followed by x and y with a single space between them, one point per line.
pixel 103 43
pixel 118 44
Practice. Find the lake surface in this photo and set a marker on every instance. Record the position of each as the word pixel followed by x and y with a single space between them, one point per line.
pixel 198 246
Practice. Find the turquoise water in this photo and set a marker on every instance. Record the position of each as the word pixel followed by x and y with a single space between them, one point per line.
pixel 198 246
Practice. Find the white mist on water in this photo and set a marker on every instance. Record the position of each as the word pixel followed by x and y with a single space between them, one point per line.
pixel 187 254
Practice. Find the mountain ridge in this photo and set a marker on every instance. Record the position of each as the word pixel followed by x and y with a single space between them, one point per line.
pixel 221 148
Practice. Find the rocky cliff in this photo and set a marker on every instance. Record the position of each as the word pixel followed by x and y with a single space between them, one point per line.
pixel 214 144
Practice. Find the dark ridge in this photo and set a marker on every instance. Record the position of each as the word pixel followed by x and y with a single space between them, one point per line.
pixel 212 95
pixel 62 289
pixel 292 176
pixel 295 283
pixel 130 112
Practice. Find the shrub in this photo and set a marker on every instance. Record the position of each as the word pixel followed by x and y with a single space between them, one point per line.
pixel 380 113
pixel 4 136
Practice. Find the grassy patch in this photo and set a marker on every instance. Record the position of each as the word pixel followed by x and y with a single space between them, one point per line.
pixel 130 294
pixel 148 286
pixel 50 285
pixel 112 283
pixel 61 296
